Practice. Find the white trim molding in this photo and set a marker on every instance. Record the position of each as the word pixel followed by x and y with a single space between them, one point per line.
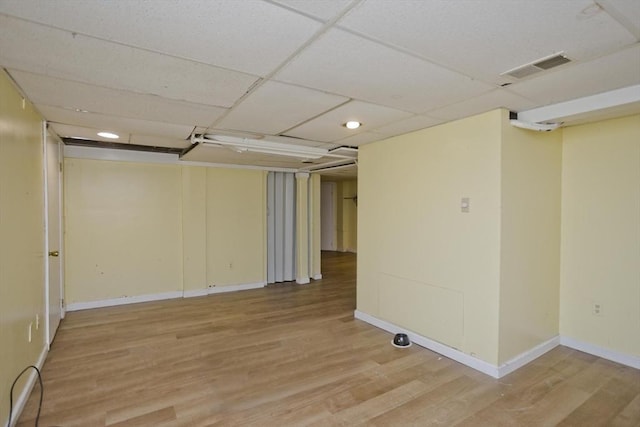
pixel 234 288
pixel 166 295
pixel 195 293
pixel 528 356
pixel 75 306
pixel 21 401
pixel 605 353
pixel 457 355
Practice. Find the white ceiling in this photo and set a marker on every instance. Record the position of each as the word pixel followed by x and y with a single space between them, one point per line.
pixel 157 71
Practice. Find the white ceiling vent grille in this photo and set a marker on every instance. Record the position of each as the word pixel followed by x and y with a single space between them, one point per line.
pixel 537 66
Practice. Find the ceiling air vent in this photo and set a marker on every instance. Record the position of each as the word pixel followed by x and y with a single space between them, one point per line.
pixel 537 66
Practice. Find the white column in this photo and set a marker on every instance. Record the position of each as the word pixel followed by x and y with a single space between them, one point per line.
pixel 302 228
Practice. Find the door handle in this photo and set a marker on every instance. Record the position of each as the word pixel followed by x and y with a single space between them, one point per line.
pixel 54 253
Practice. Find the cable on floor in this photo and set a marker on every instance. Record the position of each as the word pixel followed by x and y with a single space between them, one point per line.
pixel 11 394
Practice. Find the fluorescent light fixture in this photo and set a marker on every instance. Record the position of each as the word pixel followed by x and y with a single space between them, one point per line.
pixel 352 124
pixel 108 135
pixel 262 146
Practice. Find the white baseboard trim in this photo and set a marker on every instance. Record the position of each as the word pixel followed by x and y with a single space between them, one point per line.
pixel 21 401
pixel 451 353
pixel 167 295
pixel 605 353
pixel 303 280
pixel 234 288
pixel 528 356
pixel 195 293
pixel 75 306
pixel 457 355
pixel 317 277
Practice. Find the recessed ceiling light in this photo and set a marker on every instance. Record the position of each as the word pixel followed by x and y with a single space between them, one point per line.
pixel 108 135
pixel 352 124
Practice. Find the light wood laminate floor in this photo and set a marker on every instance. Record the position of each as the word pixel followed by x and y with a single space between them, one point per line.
pixel 291 355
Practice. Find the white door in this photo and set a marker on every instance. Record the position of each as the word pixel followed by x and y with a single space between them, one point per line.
pixel 327 217
pixel 53 193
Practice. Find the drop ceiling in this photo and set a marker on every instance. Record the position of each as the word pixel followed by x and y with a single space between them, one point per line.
pixel 293 71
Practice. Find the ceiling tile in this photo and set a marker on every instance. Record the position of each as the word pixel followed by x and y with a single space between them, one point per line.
pixel 321 9
pixel 328 127
pixel 275 107
pixel 73 95
pixel 407 125
pixel 221 32
pixel 627 12
pixel 613 71
pixel 469 37
pixel 343 63
pixel 360 139
pixel 79 58
pixel 114 124
pixel 485 102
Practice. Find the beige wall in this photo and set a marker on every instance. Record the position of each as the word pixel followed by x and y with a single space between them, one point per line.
pixel 236 226
pixel 601 234
pixel 22 237
pixel 346 215
pixel 348 211
pixel 123 229
pixel 529 239
pixel 422 264
pixel 194 228
pixel 135 229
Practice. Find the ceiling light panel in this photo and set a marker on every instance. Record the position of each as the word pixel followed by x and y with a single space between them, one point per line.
pixel 275 107
pixel 341 62
pixel 466 36
pixel 223 33
pixel 583 79
pixel 63 55
pixel 328 127
pixel 81 132
pixel 116 124
pixel 64 93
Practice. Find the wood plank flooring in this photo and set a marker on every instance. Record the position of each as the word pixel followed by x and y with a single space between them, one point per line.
pixel 291 355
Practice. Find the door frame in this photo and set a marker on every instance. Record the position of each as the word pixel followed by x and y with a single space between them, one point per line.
pixel 46 137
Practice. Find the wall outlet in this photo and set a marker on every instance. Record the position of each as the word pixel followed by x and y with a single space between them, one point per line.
pixel 37 322
pixel 29 331
pixel 596 309
pixel 465 205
